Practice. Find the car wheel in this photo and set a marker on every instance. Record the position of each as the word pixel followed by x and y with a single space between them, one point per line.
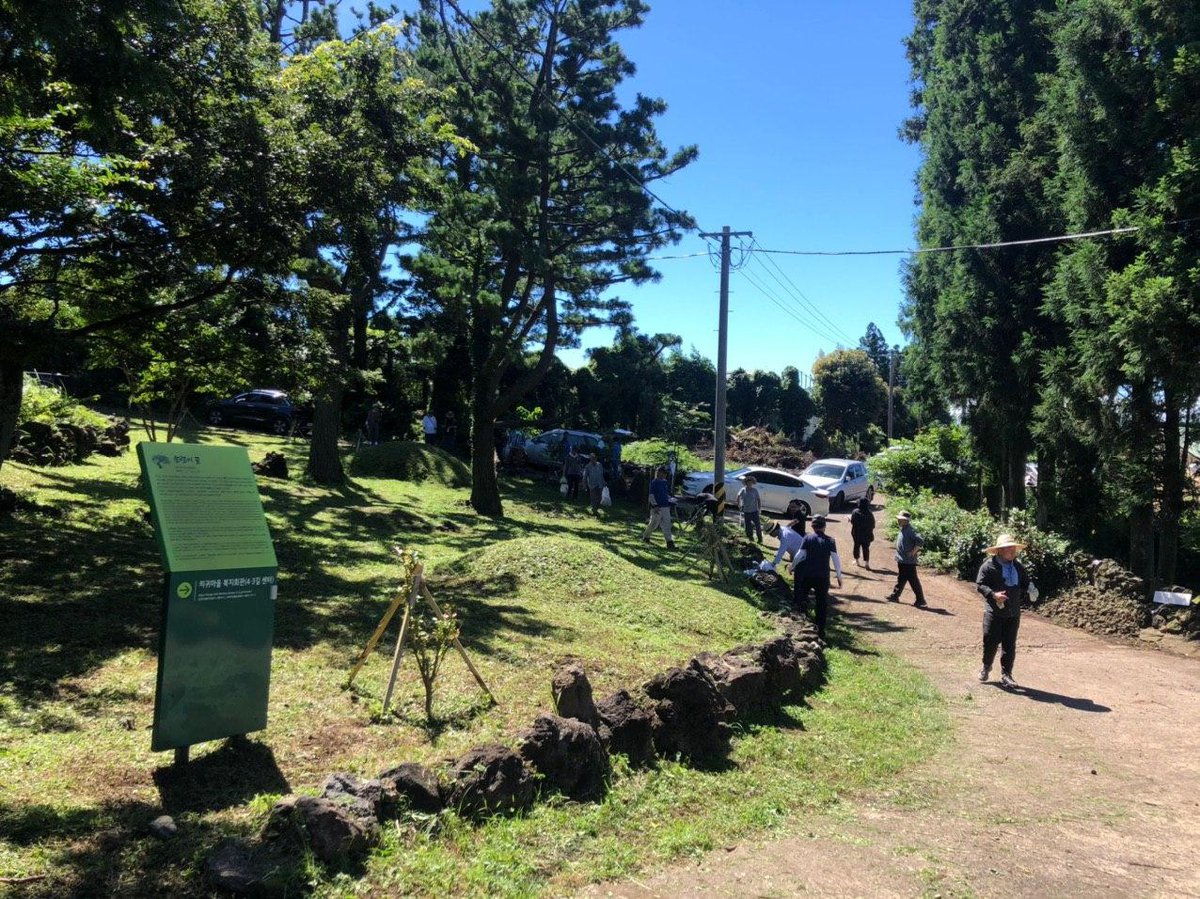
pixel 280 426
pixel 517 457
pixel 215 417
pixel 799 507
pixel 837 502
pixel 870 494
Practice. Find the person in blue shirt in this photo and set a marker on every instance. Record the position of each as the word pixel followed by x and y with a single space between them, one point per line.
pixel 660 508
pixel 811 566
pixel 1002 582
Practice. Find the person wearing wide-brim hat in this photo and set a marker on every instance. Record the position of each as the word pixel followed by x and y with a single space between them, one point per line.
pixel 1003 582
pixel 908 547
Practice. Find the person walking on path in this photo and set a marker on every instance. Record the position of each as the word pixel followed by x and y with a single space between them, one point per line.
pixel 1003 582
pixel 573 471
pixel 908 546
pixel 451 432
pixel 593 479
pixel 660 508
pixel 862 531
pixel 750 502
pixel 811 566
pixel 429 427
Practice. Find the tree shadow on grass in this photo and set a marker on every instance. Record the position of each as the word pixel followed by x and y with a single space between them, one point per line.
pixel 104 850
pixel 229 776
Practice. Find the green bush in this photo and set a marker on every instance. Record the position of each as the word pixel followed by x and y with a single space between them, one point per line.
pixel 51 405
pixel 652 453
pixel 955 540
pixel 939 459
pixel 402 460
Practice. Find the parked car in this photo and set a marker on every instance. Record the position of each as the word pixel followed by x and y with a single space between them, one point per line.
pixel 839 481
pixel 548 449
pixel 782 492
pixel 261 408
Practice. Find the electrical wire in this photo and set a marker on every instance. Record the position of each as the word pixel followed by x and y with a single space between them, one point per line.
pixel 788 310
pixel 801 299
pixel 1058 238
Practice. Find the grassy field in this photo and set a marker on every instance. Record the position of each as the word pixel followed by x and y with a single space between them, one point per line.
pixel 80 586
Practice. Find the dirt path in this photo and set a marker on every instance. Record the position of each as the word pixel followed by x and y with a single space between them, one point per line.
pixel 1087 782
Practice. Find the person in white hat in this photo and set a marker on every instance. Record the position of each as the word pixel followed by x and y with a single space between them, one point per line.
pixel 1003 582
pixel 908 546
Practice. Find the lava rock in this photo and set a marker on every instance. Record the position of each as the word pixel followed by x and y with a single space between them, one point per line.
pixel 569 756
pixel 362 797
pixel 332 828
pixel 741 680
pixel 247 869
pixel 690 714
pixel 490 780
pixel 414 785
pixel 572 693
pixel 626 728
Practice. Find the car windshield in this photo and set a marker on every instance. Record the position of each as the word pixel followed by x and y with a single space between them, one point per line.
pixel 825 470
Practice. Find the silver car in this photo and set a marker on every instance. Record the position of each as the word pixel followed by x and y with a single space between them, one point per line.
pixel 839 481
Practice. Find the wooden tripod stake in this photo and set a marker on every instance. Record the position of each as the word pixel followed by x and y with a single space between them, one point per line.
pixel 417 589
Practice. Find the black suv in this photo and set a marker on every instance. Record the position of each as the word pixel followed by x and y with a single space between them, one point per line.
pixel 261 408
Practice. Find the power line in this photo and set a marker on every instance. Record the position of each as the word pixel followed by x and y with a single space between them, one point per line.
pixel 1058 238
pixel 791 288
pixel 789 310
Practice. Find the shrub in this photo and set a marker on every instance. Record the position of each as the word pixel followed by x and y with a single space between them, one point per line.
pixel 52 405
pixel 955 540
pixel 938 459
pixel 652 453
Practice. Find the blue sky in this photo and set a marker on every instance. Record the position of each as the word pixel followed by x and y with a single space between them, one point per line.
pixel 795 106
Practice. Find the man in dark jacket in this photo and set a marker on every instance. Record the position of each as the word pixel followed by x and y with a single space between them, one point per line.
pixel 811 565
pixel 1003 582
pixel 862 531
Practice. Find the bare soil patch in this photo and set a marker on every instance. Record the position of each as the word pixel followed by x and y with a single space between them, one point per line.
pixel 1084 782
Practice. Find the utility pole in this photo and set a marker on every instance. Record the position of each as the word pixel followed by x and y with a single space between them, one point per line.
pixel 891 387
pixel 722 346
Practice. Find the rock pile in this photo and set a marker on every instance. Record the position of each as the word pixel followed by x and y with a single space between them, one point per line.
pixel 273 465
pixel 683 713
pixel 1113 603
pixel 66 443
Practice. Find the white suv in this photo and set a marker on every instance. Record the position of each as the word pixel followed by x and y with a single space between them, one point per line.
pixel 839 480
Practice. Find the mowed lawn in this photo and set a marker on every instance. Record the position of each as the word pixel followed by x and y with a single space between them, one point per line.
pixel 80 595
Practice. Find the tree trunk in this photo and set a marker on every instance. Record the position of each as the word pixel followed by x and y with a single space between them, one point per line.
pixel 485 488
pixel 324 460
pixel 1141 454
pixel 1045 490
pixel 12 388
pixel 1173 486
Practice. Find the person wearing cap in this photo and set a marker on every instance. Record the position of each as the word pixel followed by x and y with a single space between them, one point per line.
pixel 908 545
pixel 660 508
pixel 1003 582
pixel 811 566
pixel 750 502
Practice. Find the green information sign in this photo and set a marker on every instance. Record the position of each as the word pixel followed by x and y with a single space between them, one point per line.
pixel 214 659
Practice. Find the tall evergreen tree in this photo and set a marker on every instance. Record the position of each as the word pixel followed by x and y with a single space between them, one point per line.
pixel 548 212
pixel 975 316
pixel 1123 104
